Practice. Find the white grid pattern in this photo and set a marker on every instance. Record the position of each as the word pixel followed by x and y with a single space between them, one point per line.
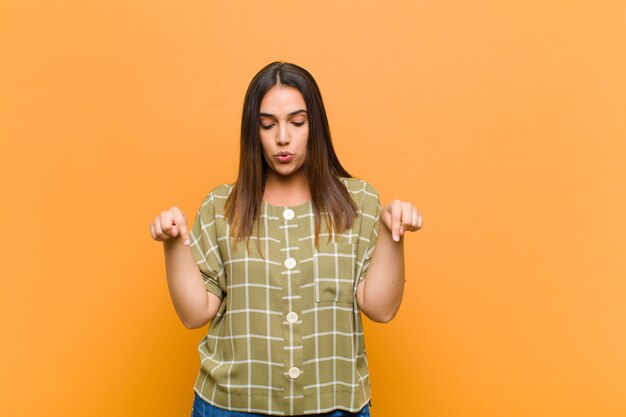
pixel 250 346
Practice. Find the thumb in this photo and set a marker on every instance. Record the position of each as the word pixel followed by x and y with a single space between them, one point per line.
pixel 385 216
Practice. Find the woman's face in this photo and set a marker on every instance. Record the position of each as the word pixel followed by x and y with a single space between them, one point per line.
pixel 284 130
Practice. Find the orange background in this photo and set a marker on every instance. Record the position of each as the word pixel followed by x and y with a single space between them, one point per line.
pixel 503 122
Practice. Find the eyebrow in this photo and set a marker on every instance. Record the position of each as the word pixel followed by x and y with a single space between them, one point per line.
pixel 293 113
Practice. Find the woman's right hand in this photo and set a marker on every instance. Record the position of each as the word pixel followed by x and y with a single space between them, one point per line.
pixel 170 224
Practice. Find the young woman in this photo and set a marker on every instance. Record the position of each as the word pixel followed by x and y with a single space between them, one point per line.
pixel 282 262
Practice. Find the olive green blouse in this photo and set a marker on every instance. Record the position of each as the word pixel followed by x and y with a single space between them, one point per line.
pixel 288 336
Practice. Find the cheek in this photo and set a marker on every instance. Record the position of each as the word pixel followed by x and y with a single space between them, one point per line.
pixel 265 147
pixel 266 153
pixel 305 142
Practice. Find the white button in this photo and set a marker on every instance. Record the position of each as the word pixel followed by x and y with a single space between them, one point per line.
pixel 290 263
pixel 288 214
pixel 294 373
pixel 292 317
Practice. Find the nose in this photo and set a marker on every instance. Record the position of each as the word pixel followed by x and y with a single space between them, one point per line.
pixel 282 137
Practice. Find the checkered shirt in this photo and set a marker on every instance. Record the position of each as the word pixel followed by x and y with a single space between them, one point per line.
pixel 288 336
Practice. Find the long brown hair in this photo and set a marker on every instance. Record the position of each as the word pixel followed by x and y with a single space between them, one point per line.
pixel 330 198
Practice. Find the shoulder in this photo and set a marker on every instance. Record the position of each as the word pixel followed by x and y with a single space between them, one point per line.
pixel 360 190
pixel 216 198
pixel 222 191
pixel 364 195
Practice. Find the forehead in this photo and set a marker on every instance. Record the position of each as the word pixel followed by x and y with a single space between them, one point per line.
pixel 282 99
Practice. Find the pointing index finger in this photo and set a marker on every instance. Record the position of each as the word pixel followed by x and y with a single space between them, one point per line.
pixel 181 222
pixel 396 219
pixel 184 233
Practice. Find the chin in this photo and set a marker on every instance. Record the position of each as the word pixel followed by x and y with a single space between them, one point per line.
pixel 287 171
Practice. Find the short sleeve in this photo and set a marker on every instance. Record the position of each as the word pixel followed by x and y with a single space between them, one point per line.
pixel 204 246
pixel 368 234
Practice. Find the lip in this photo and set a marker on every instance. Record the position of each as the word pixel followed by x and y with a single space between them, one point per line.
pixel 284 157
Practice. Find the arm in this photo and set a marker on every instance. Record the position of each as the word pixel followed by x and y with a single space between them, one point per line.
pixel 379 295
pixel 194 305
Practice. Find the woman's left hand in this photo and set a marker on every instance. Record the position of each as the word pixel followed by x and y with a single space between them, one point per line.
pixel 399 217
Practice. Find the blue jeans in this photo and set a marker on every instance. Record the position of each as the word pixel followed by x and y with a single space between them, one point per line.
pixel 203 409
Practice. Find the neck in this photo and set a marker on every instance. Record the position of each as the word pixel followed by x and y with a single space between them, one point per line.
pixel 289 190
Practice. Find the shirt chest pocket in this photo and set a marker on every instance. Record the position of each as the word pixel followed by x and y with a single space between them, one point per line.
pixel 334 266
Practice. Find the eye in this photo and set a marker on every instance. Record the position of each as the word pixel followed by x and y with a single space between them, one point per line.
pixel 266 127
pixel 298 123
